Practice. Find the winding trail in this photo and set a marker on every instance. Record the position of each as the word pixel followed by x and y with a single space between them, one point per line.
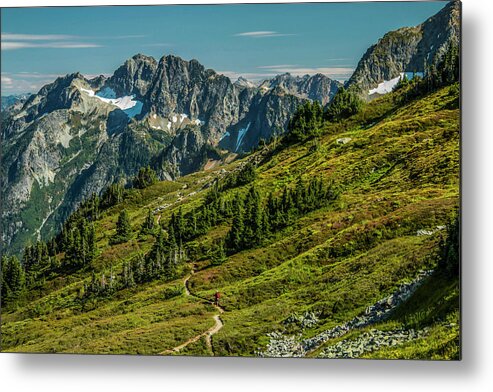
pixel 208 334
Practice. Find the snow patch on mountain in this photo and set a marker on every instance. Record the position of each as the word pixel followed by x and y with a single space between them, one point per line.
pixel 134 110
pixel 226 134
pixel 127 103
pixel 241 134
pixel 386 86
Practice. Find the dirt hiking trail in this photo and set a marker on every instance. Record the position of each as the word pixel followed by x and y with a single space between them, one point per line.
pixel 207 334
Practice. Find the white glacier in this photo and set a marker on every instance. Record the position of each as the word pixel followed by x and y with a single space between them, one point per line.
pixel 127 103
pixel 386 86
pixel 241 134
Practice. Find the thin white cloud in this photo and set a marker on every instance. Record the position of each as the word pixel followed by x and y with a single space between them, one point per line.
pixel 35 75
pixel 261 34
pixel 18 86
pixel 56 45
pixel 13 41
pixel 6 81
pixel 35 37
pixel 62 37
pixel 25 82
pixel 125 36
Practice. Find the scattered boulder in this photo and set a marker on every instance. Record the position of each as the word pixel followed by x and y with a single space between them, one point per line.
pixel 343 140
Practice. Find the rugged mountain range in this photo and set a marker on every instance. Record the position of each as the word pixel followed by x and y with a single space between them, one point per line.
pixel 407 50
pixel 76 136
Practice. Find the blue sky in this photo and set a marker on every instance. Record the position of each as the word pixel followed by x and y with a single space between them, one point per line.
pixel 256 41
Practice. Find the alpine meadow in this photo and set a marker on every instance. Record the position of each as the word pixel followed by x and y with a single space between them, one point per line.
pixel 166 208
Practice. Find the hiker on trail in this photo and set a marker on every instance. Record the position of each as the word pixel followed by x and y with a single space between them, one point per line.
pixel 217 295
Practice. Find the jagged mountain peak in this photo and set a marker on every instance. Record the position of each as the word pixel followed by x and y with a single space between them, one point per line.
pixel 317 87
pixel 142 56
pixel 169 110
pixel 61 82
pixel 408 49
pixel 97 82
pixel 243 82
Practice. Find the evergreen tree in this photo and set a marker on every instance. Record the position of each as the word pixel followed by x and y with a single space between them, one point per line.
pixel 305 123
pixel 112 195
pixel 450 248
pixel 218 255
pixel 13 280
pixel 91 241
pixel 123 228
pixel 253 231
pixel 149 224
pixel 344 104
pixel 234 239
pixel 246 175
pixel 145 177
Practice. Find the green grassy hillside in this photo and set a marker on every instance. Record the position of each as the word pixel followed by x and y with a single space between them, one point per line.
pixel 394 169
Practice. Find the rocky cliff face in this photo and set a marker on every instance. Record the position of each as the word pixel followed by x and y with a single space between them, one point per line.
pixel 316 87
pixel 8 101
pixel 77 136
pixel 409 49
pixel 61 145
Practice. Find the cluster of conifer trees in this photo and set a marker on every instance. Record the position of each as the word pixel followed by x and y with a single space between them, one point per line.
pixel 144 178
pixel 310 116
pixel 255 220
pixel 76 241
pixel 13 280
pixel 164 261
pixel 215 209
